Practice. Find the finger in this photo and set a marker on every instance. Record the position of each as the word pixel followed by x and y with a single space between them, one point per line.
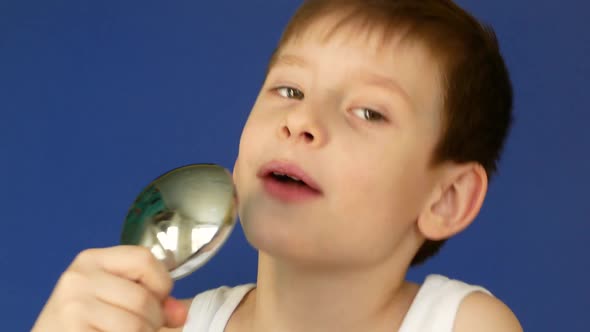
pixel 134 263
pixel 128 295
pixel 175 312
pixel 107 318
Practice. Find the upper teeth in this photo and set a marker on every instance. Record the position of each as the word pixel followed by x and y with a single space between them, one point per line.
pixel 289 176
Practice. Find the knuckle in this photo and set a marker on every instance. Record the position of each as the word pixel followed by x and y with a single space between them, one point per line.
pixel 85 255
pixel 167 283
pixel 71 279
pixel 145 256
pixel 150 264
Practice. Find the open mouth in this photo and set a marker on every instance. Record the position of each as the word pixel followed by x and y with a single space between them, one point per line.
pixel 288 182
pixel 287 179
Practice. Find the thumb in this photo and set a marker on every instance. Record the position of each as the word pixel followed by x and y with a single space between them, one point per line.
pixel 175 312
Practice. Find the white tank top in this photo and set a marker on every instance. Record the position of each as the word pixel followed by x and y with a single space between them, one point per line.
pixel 433 310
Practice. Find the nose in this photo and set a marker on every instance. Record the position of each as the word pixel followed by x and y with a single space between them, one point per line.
pixel 303 125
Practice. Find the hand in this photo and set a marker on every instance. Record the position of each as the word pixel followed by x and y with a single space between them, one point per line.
pixel 122 289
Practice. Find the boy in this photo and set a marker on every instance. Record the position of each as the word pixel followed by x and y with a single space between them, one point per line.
pixel 370 143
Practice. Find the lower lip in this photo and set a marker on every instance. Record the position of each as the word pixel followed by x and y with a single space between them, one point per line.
pixel 288 192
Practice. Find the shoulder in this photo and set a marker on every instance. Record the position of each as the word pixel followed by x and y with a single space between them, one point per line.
pixel 444 304
pixel 483 312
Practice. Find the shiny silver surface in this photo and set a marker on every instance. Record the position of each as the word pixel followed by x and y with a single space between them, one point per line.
pixel 184 216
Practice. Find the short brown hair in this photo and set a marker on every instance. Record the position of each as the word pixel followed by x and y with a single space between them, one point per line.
pixel 477 109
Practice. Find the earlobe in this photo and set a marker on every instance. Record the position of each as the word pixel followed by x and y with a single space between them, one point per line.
pixel 455 203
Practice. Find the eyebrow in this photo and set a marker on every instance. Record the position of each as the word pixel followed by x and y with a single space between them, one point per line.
pixel 371 78
pixel 385 83
pixel 289 60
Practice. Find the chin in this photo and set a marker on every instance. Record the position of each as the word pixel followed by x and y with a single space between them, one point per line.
pixel 295 249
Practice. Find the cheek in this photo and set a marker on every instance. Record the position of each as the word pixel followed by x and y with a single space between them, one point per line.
pixel 244 163
pixel 374 215
pixel 249 140
pixel 388 192
pixel 255 132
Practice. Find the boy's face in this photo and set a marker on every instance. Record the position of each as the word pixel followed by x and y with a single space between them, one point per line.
pixel 362 122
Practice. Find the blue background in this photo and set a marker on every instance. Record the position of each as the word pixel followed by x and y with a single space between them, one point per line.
pixel 97 98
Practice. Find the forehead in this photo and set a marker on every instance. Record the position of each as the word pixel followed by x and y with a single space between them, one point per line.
pixel 336 28
pixel 378 37
pixel 369 28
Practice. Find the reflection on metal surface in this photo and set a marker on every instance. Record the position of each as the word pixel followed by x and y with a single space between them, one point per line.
pixel 184 216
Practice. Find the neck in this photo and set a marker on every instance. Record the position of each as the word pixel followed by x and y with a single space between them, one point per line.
pixel 291 298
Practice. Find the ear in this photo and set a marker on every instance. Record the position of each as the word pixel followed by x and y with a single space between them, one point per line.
pixel 455 202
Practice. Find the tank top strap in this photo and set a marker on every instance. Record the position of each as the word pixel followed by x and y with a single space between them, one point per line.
pixel 435 307
pixel 211 310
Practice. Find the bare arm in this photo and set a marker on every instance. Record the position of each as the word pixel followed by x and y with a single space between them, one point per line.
pixel 480 312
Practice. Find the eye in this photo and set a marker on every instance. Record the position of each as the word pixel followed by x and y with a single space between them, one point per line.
pixel 290 93
pixel 368 114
